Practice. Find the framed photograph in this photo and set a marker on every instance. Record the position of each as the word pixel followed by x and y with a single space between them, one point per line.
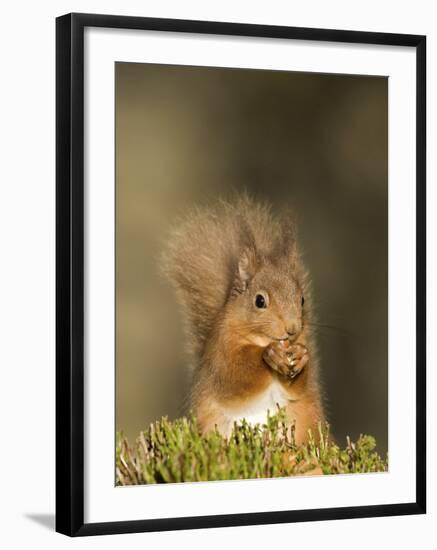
pixel 240 274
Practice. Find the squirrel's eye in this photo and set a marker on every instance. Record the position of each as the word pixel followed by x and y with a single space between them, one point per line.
pixel 260 301
pixel 302 301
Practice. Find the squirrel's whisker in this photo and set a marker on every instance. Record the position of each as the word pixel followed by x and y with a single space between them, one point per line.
pixel 331 327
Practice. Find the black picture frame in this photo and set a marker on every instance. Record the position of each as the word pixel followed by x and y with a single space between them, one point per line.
pixel 70 273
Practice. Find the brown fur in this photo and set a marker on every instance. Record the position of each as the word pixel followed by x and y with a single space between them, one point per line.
pixel 219 259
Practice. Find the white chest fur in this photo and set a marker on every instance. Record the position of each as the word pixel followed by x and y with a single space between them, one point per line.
pixel 255 411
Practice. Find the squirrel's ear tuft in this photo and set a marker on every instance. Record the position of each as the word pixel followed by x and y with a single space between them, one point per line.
pixel 246 269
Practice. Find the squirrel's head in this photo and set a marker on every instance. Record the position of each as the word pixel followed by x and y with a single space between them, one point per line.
pixel 268 297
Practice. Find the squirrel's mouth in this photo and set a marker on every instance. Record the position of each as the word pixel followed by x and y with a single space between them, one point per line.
pixel 281 339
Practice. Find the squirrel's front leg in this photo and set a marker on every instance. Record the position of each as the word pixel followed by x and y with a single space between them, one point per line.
pixel 285 358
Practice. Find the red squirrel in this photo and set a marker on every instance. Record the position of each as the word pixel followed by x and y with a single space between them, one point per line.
pixel 246 299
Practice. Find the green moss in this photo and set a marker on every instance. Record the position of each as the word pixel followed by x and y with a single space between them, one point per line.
pixel 170 452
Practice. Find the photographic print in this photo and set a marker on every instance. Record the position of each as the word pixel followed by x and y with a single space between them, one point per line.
pixel 240 274
pixel 251 238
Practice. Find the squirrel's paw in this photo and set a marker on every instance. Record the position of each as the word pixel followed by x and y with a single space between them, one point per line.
pixel 287 360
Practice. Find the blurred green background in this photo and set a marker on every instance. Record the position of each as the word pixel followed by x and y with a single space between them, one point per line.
pixel 316 142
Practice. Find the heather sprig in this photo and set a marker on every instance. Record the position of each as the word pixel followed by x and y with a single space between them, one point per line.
pixel 171 452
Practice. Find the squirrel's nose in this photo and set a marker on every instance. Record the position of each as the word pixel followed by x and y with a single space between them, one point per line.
pixel 292 330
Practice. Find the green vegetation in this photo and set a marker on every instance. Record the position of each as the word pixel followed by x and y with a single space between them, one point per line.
pixel 170 452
